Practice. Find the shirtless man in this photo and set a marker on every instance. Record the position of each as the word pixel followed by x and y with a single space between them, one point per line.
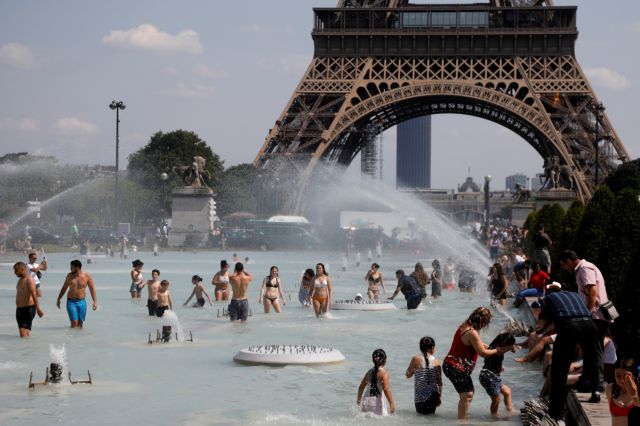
pixel 164 299
pixel 153 285
pixel 239 306
pixel 198 291
pixel 26 299
pixel 77 282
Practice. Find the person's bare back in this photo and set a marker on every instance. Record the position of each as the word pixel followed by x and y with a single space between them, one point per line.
pixel 240 283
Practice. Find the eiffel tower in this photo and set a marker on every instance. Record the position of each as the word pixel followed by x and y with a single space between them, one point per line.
pixel 377 63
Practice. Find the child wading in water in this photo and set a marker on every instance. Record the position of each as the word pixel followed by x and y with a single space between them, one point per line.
pixel 375 386
pixel 164 299
pixel 490 375
pixel 427 371
pixel 198 291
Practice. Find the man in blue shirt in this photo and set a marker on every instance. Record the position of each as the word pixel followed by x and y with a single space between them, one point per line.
pixel 409 288
pixel 567 313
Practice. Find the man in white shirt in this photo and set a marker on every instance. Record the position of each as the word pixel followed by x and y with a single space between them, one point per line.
pixel 35 268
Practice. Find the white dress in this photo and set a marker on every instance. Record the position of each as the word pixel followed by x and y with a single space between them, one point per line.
pixel 374 404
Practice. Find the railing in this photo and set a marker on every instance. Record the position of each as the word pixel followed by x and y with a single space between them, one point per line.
pixel 439 19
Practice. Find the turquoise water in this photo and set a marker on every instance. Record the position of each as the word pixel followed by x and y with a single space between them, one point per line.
pixel 198 383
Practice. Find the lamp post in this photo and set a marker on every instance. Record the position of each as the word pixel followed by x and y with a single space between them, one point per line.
pixel 163 178
pixel 598 111
pixel 487 207
pixel 117 106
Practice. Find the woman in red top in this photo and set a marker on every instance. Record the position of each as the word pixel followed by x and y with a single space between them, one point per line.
pixel 462 357
pixel 537 282
pixel 623 394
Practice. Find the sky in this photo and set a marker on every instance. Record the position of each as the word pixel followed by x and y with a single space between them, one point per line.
pixel 226 70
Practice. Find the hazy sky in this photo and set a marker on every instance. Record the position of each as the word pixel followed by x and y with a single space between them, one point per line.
pixel 225 69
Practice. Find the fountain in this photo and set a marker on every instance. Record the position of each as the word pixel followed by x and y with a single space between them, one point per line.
pixel 288 355
pixel 170 322
pixel 55 372
pixel 363 305
pixel 350 335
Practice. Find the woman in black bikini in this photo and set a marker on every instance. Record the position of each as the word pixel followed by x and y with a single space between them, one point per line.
pixel 374 277
pixel 270 291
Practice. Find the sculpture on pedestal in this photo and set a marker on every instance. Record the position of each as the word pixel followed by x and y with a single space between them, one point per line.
pixel 193 176
pixel 556 176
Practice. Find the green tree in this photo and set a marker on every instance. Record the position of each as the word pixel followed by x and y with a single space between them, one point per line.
pixel 530 225
pixel 566 241
pixel 591 238
pixel 626 330
pixel 623 240
pixel 627 175
pixel 94 203
pixel 166 150
pixel 239 190
pixel 551 216
pixel 26 177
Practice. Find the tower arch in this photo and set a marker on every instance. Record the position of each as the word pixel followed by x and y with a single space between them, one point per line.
pixel 376 65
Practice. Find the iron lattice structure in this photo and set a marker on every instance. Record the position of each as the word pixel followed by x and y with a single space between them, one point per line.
pixel 378 63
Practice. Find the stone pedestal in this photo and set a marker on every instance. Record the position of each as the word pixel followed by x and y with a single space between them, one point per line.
pixel 561 196
pixel 520 212
pixel 191 217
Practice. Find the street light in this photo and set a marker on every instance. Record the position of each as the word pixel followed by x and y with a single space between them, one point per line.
pixel 163 178
pixel 117 106
pixel 598 110
pixel 487 210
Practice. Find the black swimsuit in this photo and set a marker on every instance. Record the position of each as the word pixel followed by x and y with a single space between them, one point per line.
pixel 270 285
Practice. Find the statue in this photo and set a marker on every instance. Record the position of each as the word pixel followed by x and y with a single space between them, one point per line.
pixel 556 176
pixel 521 194
pixel 194 175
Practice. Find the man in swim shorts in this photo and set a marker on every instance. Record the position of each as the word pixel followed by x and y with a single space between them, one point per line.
pixel 164 299
pixel 153 285
pixel 26 299
pixel 409 288
pixel 77 282
pixel 239 306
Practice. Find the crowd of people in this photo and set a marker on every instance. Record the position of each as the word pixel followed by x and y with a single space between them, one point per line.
pixel 572 333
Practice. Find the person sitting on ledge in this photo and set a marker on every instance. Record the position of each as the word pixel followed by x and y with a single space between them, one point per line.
pixel 537 281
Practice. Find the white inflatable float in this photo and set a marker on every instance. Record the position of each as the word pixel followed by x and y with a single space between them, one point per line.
pixel 288 355
pixel 363 305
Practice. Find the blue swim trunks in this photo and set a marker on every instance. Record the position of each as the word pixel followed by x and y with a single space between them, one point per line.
pixel 77 309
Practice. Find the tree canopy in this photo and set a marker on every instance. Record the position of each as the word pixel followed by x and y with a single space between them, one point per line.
pixel 166 150
pixel 238 190
pixel 626 176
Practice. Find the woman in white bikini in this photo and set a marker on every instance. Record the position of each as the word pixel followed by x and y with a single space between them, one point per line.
pixel 221 282
pixel 321 291
pixel 270 291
